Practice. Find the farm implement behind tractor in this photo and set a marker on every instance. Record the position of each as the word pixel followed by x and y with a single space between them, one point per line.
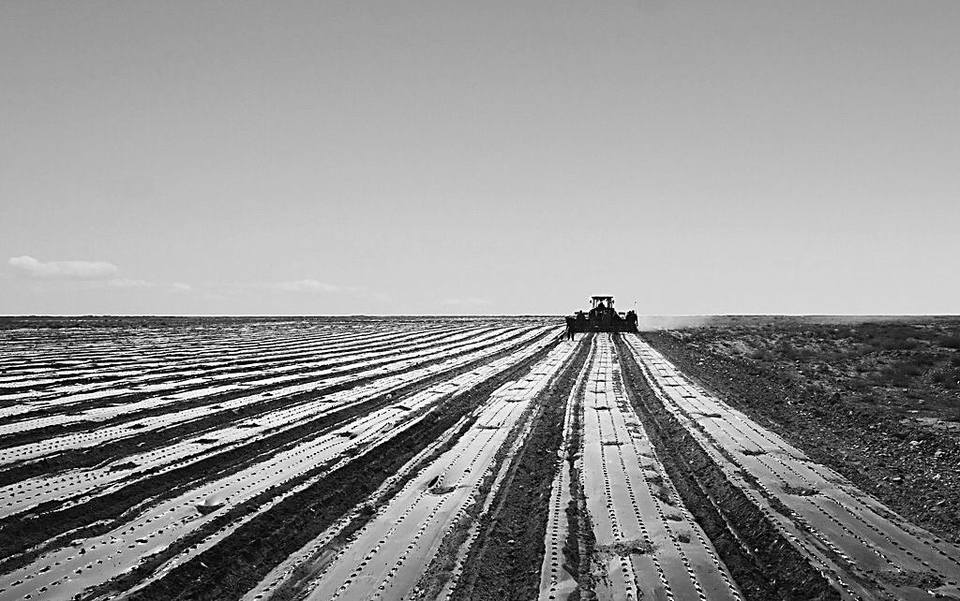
pixel 602 317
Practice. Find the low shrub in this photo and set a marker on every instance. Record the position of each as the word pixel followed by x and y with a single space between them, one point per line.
pixel 762 355
pixel 951 342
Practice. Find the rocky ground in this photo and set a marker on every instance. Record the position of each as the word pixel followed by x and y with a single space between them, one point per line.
pixel 878 401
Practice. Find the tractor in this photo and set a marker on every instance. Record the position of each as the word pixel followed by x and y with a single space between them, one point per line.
pixel 602 317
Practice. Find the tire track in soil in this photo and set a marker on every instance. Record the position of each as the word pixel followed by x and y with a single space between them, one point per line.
pixel 505 560
pixel 241 560
pixel 44 528
pixel 763 563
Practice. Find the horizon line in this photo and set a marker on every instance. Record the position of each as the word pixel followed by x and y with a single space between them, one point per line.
pixel 27 315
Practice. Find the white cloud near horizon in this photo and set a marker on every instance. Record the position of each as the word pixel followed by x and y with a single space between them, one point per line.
pixel 62 270
pixel 84 274
pixel 311 286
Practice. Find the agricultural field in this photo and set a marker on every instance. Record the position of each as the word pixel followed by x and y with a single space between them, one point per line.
pixel 476 458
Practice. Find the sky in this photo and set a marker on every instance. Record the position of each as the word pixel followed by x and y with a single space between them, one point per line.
pixel 495 157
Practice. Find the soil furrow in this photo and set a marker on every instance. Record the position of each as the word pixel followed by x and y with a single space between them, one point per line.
pixel 504 561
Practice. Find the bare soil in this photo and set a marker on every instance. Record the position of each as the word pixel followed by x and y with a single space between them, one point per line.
pixel 878 401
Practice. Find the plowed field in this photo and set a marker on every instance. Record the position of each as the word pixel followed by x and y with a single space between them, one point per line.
pixel 418 458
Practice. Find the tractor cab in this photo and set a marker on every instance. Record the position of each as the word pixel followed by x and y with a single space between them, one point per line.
pixel 601 302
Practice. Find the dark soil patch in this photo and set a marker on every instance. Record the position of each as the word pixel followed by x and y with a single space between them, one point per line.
pixel 205 509
pixel 800 491
pixel 129 465
pixel 627 548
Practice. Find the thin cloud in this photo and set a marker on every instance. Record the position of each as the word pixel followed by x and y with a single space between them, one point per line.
pixel 317 286
pixel 309 286
pixel 62 270
pixel 135 284
pixel 83 275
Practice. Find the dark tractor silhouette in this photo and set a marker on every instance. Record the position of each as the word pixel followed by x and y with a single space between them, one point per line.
pixel 602 317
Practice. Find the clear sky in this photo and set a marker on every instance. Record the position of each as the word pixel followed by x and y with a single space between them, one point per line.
pixel 497 156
